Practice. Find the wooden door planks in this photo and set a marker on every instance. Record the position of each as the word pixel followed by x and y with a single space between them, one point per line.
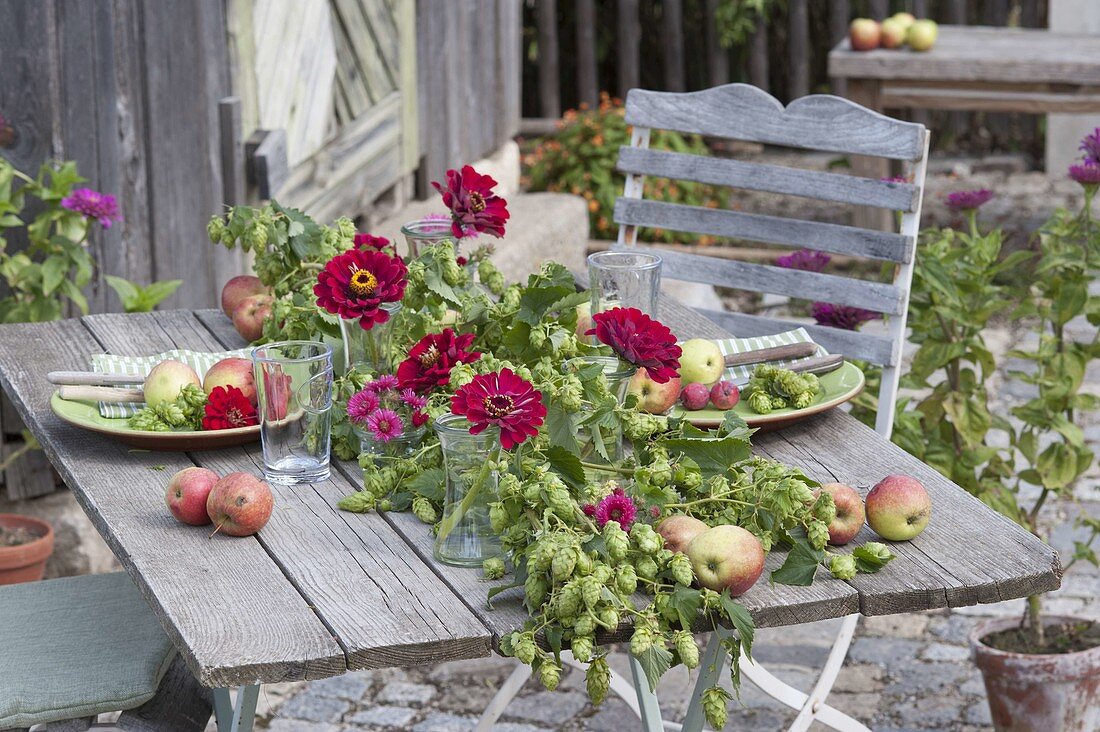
pixel 384 606
pixel 227 607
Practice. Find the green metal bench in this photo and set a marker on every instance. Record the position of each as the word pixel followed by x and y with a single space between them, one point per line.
pixel 71 649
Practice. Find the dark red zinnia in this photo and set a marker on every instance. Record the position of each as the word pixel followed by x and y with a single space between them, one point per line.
pixel 474 207
pixel 227 407
pixel 639 339
pixel 844 317
pixel 354 285
pixel 502 399
pixel 431 359
pixel 370 241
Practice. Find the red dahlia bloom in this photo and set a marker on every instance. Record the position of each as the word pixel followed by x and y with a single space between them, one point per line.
pixel 227 407
pixel 355 284
pixel 431 359
pixel 474 207
pixel 369 241
pixel 639 339
pixel 501 399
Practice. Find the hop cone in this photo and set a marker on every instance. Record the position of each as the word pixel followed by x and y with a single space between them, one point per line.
pixel 598 679
pixel 680 567
pixel 843 566
pixel 714 706
pixel 524 648
pixel 493 568
pixel 627 581
pixel 686 648
pixel 760 402
pixel 563 564
pixel 582 648
pixel 818 534
pixel 423 510
pixel 549 673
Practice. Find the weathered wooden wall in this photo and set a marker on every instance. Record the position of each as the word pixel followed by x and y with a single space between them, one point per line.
pixel 128 89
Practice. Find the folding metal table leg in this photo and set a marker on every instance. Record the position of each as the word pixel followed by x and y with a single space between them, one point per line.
pixel 238 717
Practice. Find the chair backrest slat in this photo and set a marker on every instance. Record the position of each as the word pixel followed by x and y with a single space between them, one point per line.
pixel 767 229
pixel 875 296
pixel 852 343
pixel 769 178
pixel 743 112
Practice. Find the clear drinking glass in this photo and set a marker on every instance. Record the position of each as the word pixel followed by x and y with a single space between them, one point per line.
pixel 624 279
pixel 370 350
pixel 600 445
pixel 465 537
pixel 294 393
pixel 425 232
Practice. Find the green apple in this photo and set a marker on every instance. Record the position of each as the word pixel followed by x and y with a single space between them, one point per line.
pixel 165 380
pixel 898 508
pixel 653 398
pixel 726 558
pixel 584 320
pixel 905 19
pixel 922 35
pixel 701 362
pixel 893 33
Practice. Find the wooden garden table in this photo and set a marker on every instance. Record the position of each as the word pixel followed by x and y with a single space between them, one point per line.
pixel 321 591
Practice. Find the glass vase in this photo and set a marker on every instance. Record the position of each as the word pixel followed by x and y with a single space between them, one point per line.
pixel 624 279
pixel 369 350
pixel 425 232
pixel 465 537
pixel 603 446
pixel 398 447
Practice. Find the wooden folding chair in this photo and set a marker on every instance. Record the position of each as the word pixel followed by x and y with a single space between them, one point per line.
pixel 819 123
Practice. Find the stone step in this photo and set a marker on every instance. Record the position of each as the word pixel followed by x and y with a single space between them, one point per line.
pixel 542 227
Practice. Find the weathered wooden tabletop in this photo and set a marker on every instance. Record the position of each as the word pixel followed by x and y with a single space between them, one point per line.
pixel 320 591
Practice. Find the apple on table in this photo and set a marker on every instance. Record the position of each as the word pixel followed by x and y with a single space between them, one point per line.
pixel 701 362
pixel 849 512
pixel 239 504
pixel 864 34
pixel 187 493
pixel 726 558
pixel 898 508
pixel 165 380
pixel 236 372
pixel 678 531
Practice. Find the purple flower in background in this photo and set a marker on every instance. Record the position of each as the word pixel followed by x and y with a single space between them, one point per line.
pixel 385 425
pixel 804 259
pixel 894 179
pixel 968 200
pixel 361 405
pixel 1091 147
pixel 844 317
pixel 1087 174
pixel 94 205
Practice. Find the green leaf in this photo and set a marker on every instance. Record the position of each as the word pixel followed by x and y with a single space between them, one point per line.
pixel 434 281
pixel 655 662
pixel 714 455
pixel 741 620
pixel 429 483
pixel 801 564
pixel 54 270
pixel 560 427
pixel 566 464
pixel 534 304
pixel 159 291
pixel 127 291
pixel 685 602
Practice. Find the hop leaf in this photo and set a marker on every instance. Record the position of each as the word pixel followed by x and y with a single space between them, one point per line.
pixel 598 679
pixel 715 700
pixel 872 556
pixel 843 566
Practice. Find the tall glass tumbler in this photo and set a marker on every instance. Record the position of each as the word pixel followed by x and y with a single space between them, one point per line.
pixel 624 279
pixel 294 394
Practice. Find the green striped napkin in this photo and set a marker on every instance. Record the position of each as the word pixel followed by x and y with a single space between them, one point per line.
pixel 741 374
pixel 140 366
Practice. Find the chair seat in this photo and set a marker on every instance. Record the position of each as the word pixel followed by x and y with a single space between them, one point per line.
pixel 77 647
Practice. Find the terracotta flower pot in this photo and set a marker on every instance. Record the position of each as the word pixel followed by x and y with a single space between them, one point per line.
pixel 1057 692
pixel 25 562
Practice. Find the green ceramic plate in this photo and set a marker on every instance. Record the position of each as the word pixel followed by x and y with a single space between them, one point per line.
pixel 837 387
pixel 86 416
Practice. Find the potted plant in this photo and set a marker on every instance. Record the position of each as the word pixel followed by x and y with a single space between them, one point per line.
pixel 25 545
pixel 1040 671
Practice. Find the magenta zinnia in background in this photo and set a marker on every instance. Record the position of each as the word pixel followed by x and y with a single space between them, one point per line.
pixel 968 200
pixel 103 207
pixel 844 317
pixel 804 259
pixel 355 284
pixel 474 207
pixel 1087 174
pixel 502 399
pixel 639 340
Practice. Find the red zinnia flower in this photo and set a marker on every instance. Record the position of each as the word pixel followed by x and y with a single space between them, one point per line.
pixel 431 359
pixel 419 418
pixel 474 206
pixel 227 407
pixel 369 241
pixel 356 283
pixel 616 507
pixel 639 339
pixel 501 399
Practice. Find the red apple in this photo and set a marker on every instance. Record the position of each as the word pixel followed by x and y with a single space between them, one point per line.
pixel 653 397
pixel 865 34
pixel 678 531
pixel 849 513
pixel 725 395
pixel 239 504
pixel 232 372
pixel 894 32
pixel 187 493
pixel 695 396
pixel 726 558
pixel 898 508
pixel 250 314
pixel 237 289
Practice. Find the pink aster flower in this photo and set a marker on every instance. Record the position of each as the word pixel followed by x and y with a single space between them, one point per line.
pixel 1087 174
pixel 361 405
pixel 413 399
pixel 804 259
pixel 1090 145
pixel 103 207
pixel 616 507
pixel 968 200
pixel 385 425
pixel 382 383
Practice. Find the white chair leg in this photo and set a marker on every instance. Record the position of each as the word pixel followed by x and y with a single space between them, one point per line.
pixel 503 697
pixel 647 699
pixel 811 706
pixel 710 669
